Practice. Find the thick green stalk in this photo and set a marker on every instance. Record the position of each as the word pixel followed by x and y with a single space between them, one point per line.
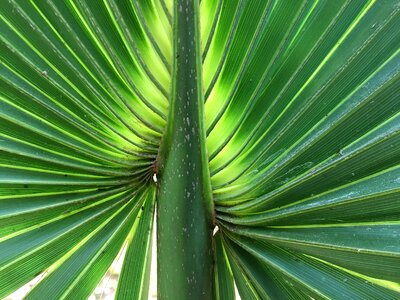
pixel 184 198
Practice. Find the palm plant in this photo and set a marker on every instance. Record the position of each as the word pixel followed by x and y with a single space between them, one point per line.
pixel 265 133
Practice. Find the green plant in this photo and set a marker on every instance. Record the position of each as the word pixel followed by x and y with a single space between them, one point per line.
pixel 278 121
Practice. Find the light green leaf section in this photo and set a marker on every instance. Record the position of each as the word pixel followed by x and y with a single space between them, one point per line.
pixel 223 279
pixel 312 277
pixel 79 271
pixel 83 102
pixel 303 119
pixel 135 275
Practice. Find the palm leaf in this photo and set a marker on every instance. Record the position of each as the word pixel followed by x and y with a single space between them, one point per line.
pixel 301 125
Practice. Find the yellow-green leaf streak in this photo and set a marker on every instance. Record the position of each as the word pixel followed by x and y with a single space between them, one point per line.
pixel 184 196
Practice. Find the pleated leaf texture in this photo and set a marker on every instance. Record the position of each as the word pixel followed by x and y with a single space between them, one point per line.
pixel 302 116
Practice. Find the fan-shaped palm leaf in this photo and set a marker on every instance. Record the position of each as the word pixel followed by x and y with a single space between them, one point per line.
pixel 278 121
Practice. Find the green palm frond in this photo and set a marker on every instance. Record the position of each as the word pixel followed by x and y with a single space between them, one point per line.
pixel 285 113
